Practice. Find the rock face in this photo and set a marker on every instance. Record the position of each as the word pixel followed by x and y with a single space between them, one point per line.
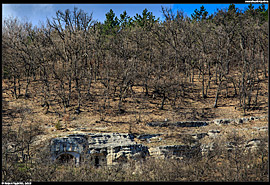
pixel 73 145
pixel 99 148
pixel 112 148
pixel 176 151
pixel 149 137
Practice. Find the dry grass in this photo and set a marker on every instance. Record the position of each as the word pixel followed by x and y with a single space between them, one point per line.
pixel 139 110
pixel 220 167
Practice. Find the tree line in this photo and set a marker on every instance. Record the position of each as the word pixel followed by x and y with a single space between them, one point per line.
pixel 68 54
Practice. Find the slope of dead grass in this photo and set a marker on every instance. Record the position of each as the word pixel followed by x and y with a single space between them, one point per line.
pixel 138 111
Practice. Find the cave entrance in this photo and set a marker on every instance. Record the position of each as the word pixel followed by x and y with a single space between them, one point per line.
pixel 97 161
pixel 65 158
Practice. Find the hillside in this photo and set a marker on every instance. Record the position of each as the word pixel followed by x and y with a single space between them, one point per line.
pixel 137 113
pixel 22 113
pixel 200 84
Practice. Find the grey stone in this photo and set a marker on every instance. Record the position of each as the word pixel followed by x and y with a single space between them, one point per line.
pixel 261 128
pixel 170 151
pixel 179 124
pixel 199 135
pixel 99 148
pixel 148 137
pixel 237 120
pixel 253 143
pixel 213 133
pixel 205 148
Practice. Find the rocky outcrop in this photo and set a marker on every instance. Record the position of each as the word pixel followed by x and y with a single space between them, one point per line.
pixel 210 133
pixel 213 133
pixel 179 124
pixel 226 121
pixel 261 128
pixel 253 144
pixel 72 145
pixel 206 148
pixel 198 136
pixel 98 148
pixel 176 151
pixel 149 137
pixel 249 145
pixel 112 148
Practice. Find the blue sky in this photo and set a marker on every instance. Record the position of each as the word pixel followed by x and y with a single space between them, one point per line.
pixel 39 12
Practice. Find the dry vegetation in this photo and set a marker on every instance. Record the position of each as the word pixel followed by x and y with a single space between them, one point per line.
pixel 48 92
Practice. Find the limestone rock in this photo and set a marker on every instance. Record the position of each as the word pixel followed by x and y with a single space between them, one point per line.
pixel 98 148
pixel 223 121
pixel 172 151
pixel 253 143
pixel 179 124
pixel 199 135
pixel 226 121
pixel 261 128
pixel 205 148
pixel 213 133
pixel 149 137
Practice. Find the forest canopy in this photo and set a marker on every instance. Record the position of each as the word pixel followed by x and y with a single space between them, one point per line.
pixel 228 48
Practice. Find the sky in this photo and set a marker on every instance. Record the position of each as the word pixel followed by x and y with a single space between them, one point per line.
pixel 38 13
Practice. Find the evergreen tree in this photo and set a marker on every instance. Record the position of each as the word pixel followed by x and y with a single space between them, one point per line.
pixel 262 12
pixel 250 11
pixel 111 24
pixel 199 15
pixel 232 8
pixel 146 20
pixel 125 20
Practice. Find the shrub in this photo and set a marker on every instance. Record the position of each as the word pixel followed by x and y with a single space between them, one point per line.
pixel 58 125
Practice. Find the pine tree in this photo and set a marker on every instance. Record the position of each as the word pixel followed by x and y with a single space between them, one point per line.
pixel 125 20
pixel 111 23
pixel 199 15
pixel 146 20
pixel 262 13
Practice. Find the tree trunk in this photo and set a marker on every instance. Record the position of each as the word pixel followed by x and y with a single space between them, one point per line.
pixel 203 84
pixel 217 95
pixel 26 88
pixel 14 88
pixel 69 93
pixel 163 102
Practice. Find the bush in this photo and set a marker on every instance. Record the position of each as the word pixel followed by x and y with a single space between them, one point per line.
pixel 58 125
